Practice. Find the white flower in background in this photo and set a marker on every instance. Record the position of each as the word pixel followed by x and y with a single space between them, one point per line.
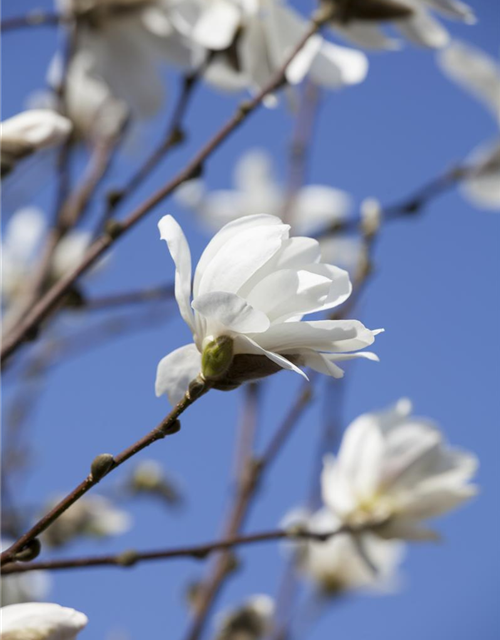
pixel 149 477
pixel 395 470
pixel 361 21
pixel 31 131
pixel 125 43
pixel 23 587
pixel 345 562
pixel 21 244
pixel 252 287
pixel 313 208
pixel 479 74
pixel 250 621
pixel 41 621
pixel 93 516
pixel 252 39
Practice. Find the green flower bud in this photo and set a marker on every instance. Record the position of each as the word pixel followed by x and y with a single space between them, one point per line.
pixel 216 358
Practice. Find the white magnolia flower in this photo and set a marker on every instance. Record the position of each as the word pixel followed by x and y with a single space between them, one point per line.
pixel 313 208
pixel 418 25
pixel 395 470
pixel 23 587
pixel 250 621
pixel 94 516
pixel 124 44
pixel 41 621
pixel 345 562
pixel 31 131
pixel 252 287
pixel 149 477
pixel 253 38
pixel 21 244
pixel 478 73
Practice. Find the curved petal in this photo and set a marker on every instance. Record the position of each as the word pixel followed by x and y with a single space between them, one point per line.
pixel 41 620
pixel 216 28
pixel 367 35
pixel 244 344
pixel 335 66
pixel 231 311
pixel 171 232
pixel 424 30
pixel 318 206
pixel 176 371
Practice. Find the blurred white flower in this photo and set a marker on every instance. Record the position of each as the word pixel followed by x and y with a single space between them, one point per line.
pixel 362 22
pixel 253 38
pixel 41 621
pixel 479 74
pixel 21 244
pixel 31 131
pixel 313 208
pixel 93 516
pixel 250 621
pixel 345 562
pixel 252 287
pixel 393 471
pixel 23 587
pixel 149 477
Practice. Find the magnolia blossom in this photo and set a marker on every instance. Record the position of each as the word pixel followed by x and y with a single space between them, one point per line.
pixel 41 621
pixel 31 131
pixel 149 477
pixel 360 22
pixel 393 471
pixel 313 208
pixel 479 74
pixel 252 287
pixel 253 38
pixel 250 621
pixel 23 587
pixel 21 244
pixel 93 516
pixel 345 562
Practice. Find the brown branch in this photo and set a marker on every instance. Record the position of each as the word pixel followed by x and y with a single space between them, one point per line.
pixel 199 552
pixel 167 426
pixel 104 303
pixel 35 18
pixel 49 301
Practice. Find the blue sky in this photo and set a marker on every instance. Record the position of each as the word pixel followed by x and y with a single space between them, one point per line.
pixel 435 291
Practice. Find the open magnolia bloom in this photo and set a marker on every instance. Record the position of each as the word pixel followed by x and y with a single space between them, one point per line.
pixel 31 131
pixel 125 42
pixel 360 21
pixel 251 40
pixel 41 621
pixel 345 562
pixel 313 208
pixel 92 516
pixel 479 74
pixel 252 287
pixel 394 471
pixel 250 621
pixel 23 587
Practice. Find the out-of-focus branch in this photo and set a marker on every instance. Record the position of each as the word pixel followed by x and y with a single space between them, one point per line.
pixel 35 18
pixel 105 303
pixel 101 466
pixel 49 301
pixel 131 558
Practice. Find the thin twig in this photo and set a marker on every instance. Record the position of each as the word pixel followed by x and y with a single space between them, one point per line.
pixel 167 426
pixel 35 18
pixel 104 303
pixel 27 328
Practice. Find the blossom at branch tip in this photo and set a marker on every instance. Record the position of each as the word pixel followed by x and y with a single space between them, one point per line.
pixel 92 516
pixel 313 208
pixel 250 621
pixel 479 74
pixel 251 39
pixel 346 562
pixel 252 287
pixel 394 471
pixel 31 131
pixel 23 587
pixel 360 22
pixel 41 621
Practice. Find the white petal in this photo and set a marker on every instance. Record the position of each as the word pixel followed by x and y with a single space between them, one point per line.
pixel 176 371
pixel 367 35
pixel 335 66
pixel 483 187
pixel 171 232
pixel 23 234
pixel 217 25
pixel 424 30
pixel 253 51
pixel 41 621
pixel 231 311
pixel 454 9
pixel 318 206
pixel 244 344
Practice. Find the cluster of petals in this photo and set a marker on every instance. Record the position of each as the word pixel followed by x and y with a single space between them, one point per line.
pixel 41 621
pixel 252 620
pixel 253 284
pixel 393 472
